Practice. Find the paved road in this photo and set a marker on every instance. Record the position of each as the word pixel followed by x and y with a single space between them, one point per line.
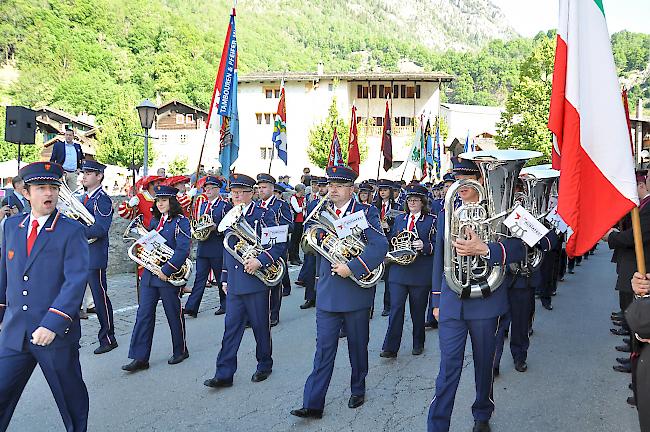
pixel 569 386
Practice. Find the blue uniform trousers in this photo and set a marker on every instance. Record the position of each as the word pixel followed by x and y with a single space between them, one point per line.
pixel 453 337
pixel 103 306
pixel 328 326
pixel 254 308
pixel 63 374
pixel 203 267
pixel 308 276
pixel 145 321
pixel 277 292
pixel 386 288
pixel 518 319
pixel 417 296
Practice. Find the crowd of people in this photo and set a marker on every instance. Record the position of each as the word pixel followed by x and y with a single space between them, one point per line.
pixel 403 242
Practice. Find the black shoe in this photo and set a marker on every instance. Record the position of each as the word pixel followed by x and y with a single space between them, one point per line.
pixel 308 413
pixel 308 304
pixel 521 366
pixel 626 340
pixel 623 360
pixel 220 311
pixel 554 293
pixel 83 315
pixel 176 360
pixel 302 284
pixel 547 306
pixel 495 372
pixel 623 348
pixel 260 376
pixel 620 332
pixel 631 401
pixel 623 368
pixel 91 310
pixel 388 354
pixel 295 262
pixel 275 322
pixel 385 312
pixel 286 293
pixel 217 383
pixel 103 349
pixel 417 351
pixel 618 323
pixel 630 386
pixel 617 314
pixel 431 324
pixel 136 365
pixel 356 401
pixel 189 312
pixel 481 426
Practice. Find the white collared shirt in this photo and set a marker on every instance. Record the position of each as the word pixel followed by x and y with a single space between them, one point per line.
pixel 343 208
pixel 89 193
pixel 41 222
pixel 70 162
pixel 265 203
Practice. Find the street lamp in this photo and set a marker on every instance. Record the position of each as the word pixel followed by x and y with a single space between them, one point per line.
pixel 147 112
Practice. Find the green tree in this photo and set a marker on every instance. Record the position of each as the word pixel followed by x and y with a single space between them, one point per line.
pixel 320 138
pixel 178 166
pixel 523 123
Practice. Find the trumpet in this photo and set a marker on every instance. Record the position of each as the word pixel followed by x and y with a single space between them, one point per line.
pixel 321 237
pixel 154 257
pixel 71 207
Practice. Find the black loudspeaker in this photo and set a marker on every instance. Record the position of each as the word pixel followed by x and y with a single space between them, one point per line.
pixel 20 127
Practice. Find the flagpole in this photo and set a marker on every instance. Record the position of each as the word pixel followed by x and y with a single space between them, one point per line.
pixel 638 241
pixel 198 165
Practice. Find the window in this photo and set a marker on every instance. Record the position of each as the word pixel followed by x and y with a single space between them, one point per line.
pixel 359 91
pixel 330 87
pixel 387 91
pixel 379 121
pixel 360 120
pixel 272 92
pixel 163 138
pixel 262 152
pixel 266 152
pixel 183 138
pixel 381 92
pixel 189 118
pixel 373 92
pixel 403 91
pixel 417 91
pixel 258 117
pixel 365 93
pixel 410 92
pixel 277 93
pixel 395 91
pixel 267 118
pixel 180 119
pixel 268 93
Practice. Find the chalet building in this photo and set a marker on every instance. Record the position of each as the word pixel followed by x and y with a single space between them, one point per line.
pixel 51 123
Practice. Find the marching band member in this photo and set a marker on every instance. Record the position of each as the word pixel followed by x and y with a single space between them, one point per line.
pixel 299 206
pixel 285 214
pixel 412 280
pixel 184 199
pixel 308 272
pixel 209 252
pixel 99 204
pixel 342 303
pixel 477 316
pixel 247 296
pixel 142 202
pixel 385 203
pixel 266 185
pixel 170 223
pixel 43 275
pixel 365 193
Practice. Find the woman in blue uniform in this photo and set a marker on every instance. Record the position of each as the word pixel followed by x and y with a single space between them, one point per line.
pixel 412 280
pixel 170 223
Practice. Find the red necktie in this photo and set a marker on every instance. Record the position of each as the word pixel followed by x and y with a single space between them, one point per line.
pixel 412 223
pixel 161 223
pixel 338 213
pixel 86 199
pixel 383 211
pixel 263 205
pixel 32 236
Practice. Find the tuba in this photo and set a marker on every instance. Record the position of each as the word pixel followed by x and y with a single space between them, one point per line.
pixel 471 276
pixel 202 227
pixel 71 207
pixel 538 183
pixel 248 245
pixel 402 251
pixel 153 258
pixel 321 238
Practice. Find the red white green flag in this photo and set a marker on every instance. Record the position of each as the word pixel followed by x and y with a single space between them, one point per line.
pixel 591 139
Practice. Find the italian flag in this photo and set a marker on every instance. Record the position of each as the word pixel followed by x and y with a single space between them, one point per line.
pixel 591 143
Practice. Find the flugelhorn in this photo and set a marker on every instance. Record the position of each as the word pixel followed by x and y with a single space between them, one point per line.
pixel 402 251
pixel 69 205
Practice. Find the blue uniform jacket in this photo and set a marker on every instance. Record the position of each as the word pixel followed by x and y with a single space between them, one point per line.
pixel 337 294
pixel 545 244
pixel 176 232
pixel 282 211
pixel 101 207
pixel 212 247
pixel 240 282
pixel 46 288
pixel 58 153
pixel 451 306
pixel 436 206
pixel 417 273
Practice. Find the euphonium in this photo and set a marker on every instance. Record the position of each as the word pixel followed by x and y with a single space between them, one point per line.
pixel 70 206
pixel 202 227
pixel 248 245
pixel 402 251
pixel 471 276
pixel 321 237
pixel 538 183
pixel 155 257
